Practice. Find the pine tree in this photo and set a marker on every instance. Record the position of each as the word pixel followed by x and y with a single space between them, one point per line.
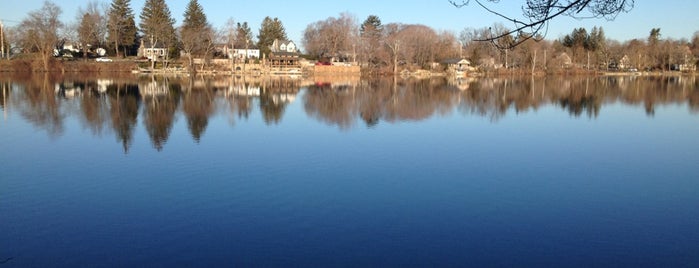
pixel 371 27
pixel 194 17
pixel 371 32
pixel 157 24
pixel 270 30
pixel 244 34
pixel 121 26
pixel 196 33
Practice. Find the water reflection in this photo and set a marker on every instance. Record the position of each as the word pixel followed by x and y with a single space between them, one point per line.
pixel 114 105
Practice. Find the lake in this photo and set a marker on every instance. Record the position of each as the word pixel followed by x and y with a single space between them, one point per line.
pixel 131 171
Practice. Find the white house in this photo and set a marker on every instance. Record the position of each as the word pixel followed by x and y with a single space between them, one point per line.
pixel 242 53
pixel 457 64
pixel 283 46
pixel 152 52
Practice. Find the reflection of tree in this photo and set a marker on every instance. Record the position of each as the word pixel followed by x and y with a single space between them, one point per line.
pixel 371 100
pixel 342 103
pixel 378 100
pixel 333 105
pixel 419 99
pixel 94 109
pixel 124 102
pixel 272 111
pixel 159 114
pixel 198 105
pixel 243 106
pixel 276 93
pixel 5 87
pixel 43 109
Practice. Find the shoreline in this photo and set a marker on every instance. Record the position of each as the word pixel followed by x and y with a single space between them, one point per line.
pixel 28 66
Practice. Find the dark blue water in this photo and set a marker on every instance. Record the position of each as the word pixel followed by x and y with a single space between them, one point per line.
pixel 579 172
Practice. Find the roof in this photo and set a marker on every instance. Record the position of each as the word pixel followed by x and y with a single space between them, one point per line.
pixel 456 61
pixel 147 44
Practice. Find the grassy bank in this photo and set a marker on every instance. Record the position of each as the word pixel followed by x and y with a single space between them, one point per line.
pixel 28 65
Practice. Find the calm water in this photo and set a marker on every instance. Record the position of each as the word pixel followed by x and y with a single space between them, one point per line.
pixel 137 172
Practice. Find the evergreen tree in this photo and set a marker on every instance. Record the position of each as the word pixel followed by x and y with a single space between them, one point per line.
pixel 195 33
pixel 121 26
pixel 244 35
pixel 270 30
pixel 597 40
pixel 371 27
pixel 157 24
pixel 371 32
pixel 654 36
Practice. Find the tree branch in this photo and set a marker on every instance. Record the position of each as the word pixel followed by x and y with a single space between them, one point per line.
pixel 540 12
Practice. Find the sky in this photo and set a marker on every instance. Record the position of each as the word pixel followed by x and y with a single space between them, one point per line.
pixel 675 18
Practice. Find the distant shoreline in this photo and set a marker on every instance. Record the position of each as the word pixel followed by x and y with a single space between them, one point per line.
pixel 28 66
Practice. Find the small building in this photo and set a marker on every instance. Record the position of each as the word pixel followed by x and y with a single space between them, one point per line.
pixel 152 52
pixel 457 64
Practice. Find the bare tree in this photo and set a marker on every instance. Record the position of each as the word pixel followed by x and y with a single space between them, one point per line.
pixel 536 14
pixel 40 31
pixel 393 45
pixel 92 26
pixel 332 37
pixel 227 35
pixel 418 43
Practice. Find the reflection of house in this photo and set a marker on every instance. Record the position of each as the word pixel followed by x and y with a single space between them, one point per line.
pixel 283 54
pixel 244 90
pixel 460 83
pixel 153 88
pixel 152 52
pixel 284 97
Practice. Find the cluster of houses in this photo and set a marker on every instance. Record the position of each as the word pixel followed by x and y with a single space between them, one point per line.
pixel 285 54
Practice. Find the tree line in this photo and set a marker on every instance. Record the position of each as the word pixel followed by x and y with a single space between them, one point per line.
pixel 377 47
pixel 113 27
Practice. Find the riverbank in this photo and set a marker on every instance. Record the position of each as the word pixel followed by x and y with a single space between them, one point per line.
pixel 29 65
pixel 65 66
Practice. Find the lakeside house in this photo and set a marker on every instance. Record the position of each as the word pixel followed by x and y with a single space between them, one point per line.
pixel 224 50
pixel 284 54
pixel 150 51
pixel 244 53
pixel 457 66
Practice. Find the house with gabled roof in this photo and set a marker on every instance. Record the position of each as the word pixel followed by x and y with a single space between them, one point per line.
pixel 283 53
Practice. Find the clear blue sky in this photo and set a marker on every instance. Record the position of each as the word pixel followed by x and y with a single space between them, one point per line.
pixel 676 18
